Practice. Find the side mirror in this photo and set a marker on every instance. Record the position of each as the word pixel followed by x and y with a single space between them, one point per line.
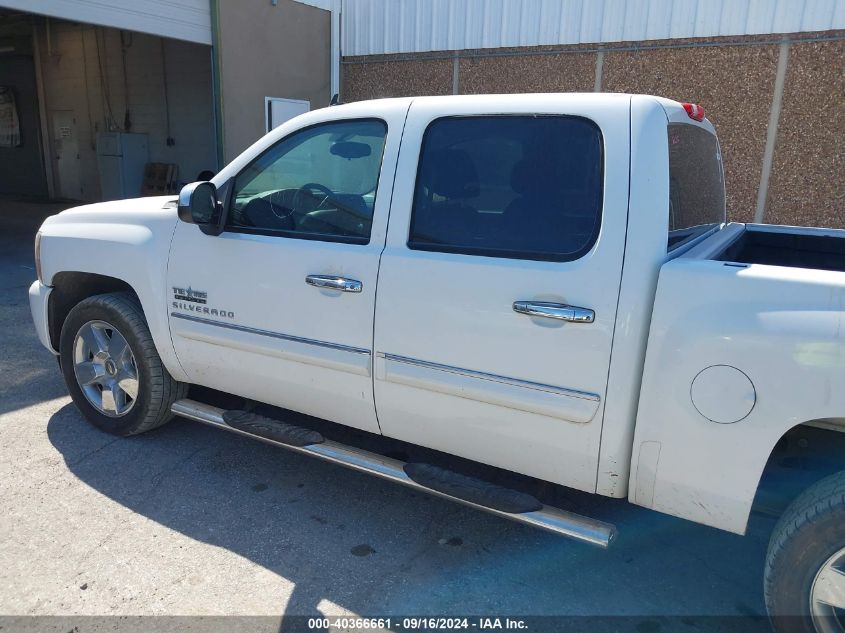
pixel 198 205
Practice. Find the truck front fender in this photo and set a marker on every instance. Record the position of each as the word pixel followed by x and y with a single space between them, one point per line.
pixel 128 241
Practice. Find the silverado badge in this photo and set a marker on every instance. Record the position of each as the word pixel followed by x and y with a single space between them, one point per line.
pixel 194 301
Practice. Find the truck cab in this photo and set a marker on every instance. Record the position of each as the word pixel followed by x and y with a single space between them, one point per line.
pixel 424 343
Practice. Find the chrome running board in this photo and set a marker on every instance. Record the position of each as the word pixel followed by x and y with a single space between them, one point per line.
pixel 547 518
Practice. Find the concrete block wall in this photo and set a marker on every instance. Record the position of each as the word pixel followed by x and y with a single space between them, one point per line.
pixel 75 75
pixel 808 168
pixel 735 79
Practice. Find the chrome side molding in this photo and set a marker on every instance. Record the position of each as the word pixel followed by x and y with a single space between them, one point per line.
pixel 480 375
pixel 297 349
pixel 270 334
pixel 571 405
pixel 559 311
pixel 547 518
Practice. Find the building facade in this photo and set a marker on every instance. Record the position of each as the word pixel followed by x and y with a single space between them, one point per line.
pixel 201 78
pixel 769 73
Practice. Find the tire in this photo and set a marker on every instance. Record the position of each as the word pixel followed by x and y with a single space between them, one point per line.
pixel 125 394
pixel 808 542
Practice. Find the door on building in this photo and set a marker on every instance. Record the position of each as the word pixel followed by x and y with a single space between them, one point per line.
pixel 279 307
pixel 66 152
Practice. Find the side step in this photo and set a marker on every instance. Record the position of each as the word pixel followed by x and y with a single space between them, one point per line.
pixel 469 491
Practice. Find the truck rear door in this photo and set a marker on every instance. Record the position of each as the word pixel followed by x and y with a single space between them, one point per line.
pixel 498 284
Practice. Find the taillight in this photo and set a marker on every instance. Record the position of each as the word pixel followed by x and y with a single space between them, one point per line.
pixel 38 256
pixel 695 111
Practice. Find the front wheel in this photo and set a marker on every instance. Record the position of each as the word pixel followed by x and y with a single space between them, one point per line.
pixel 112 369
pixel 804 579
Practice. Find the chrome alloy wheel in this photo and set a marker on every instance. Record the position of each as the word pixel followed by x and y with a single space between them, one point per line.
pixel 827 595
pixel 105 368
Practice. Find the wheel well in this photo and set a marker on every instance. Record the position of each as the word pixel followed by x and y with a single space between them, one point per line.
pixel 804 454
pixel 69 288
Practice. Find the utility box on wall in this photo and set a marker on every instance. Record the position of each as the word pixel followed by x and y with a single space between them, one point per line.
pixel 121 158
pixel 279 110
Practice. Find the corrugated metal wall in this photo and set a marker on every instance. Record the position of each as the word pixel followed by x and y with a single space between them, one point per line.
pixel 188 20
pixel 372 27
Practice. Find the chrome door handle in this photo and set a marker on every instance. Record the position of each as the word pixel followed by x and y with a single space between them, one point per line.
pixel 334 283
pixel 559 311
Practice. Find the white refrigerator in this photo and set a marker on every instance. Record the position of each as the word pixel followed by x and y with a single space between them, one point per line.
pixel 121 158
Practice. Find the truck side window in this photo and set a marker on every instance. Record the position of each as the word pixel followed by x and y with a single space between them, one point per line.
pixel 318 183
pixel 696 185
pixel 521 187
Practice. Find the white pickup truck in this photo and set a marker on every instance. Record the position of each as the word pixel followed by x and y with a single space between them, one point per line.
pixel 544 284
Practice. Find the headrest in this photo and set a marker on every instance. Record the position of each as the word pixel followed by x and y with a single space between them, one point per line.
pixel 451 173
pixel 522 177
pixel 532 175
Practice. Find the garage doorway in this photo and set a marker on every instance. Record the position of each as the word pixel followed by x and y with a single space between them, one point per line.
pixel 21 160
pixel 77 84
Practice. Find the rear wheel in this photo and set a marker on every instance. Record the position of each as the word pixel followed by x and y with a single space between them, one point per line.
pixel 112 369
pixel 805 566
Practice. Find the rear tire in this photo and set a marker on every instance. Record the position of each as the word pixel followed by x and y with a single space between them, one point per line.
pixel 804 579
pixel 112 369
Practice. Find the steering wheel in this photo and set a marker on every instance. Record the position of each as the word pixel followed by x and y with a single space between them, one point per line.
pixel 310 187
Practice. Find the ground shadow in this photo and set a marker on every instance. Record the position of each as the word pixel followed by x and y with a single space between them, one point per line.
pixel 376 548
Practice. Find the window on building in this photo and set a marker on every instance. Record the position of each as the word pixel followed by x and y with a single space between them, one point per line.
pixel 523 187
pixel 318 183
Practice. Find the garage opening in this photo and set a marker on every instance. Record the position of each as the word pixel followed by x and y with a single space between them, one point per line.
pixel 94 113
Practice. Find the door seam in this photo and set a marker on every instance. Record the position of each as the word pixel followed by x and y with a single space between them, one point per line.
pixel 378 266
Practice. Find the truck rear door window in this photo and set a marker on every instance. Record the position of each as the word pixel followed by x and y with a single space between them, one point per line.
pixel 522 187
pixel 696 184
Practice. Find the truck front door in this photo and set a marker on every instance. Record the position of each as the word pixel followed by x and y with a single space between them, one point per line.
pixel 279 307
pixel 499 281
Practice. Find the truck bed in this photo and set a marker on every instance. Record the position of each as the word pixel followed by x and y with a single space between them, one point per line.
pixel 794 247
pixel 746 342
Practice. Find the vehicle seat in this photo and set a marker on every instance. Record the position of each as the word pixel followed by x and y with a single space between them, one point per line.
pixel 547 216
pixel 343 214
pixel 273 211
pixel 449 179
